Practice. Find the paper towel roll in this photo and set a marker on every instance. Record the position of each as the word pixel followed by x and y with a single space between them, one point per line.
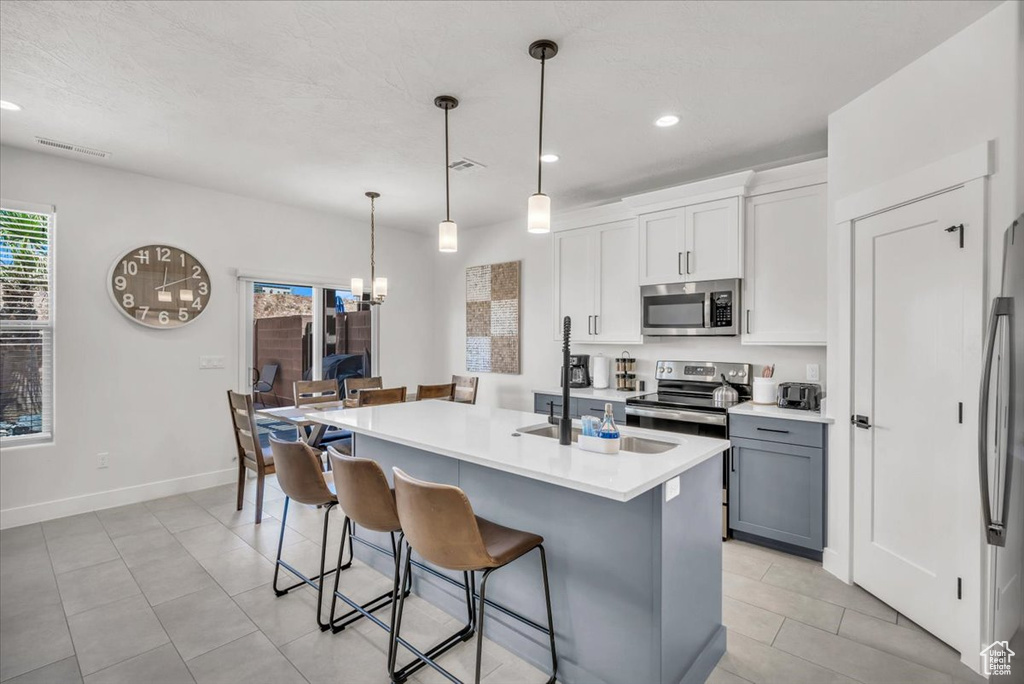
pixel 602 370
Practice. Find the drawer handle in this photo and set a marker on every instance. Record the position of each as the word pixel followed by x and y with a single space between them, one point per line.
pixel 781 432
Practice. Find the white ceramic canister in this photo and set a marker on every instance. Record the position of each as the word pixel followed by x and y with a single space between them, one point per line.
pixel 765 391
pixel 602 371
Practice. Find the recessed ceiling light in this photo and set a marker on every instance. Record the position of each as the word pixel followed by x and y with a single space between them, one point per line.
pixel 9 106
pixel 549 158
pixel 667 120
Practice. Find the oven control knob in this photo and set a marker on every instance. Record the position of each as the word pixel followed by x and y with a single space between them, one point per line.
pixel 732 374
pixel 668 369
pixel 742 373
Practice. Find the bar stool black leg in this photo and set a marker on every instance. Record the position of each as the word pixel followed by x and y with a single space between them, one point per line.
pixel 547 602
pixel 480 622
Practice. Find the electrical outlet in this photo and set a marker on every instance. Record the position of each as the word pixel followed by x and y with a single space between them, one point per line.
pixel 672 489
pixel 208 362
pixel 102 460
pixel 813 372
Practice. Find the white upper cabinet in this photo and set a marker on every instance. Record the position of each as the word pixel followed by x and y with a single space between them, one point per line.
pixel 694 242
pixel 784 291
pixel 596 285
pixel 713 241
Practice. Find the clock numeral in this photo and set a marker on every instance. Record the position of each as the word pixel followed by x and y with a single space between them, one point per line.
pixel 198 304
pixel 164 318
pixel 141 313
pixel 120 282
pixel 143 256
pixel 163 254
pixel 204 289
pixel 129 267
pixel 182 255
pixel 128 300
pixel 182 315
pixel 197 272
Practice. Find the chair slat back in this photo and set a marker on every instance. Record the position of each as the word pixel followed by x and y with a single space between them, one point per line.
pixel 315 391
pixel 465 388
pixel 446 391
pixel 243 424
pixel 354 385
pixel 379 397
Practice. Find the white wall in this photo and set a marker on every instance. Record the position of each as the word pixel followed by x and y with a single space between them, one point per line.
pixel 963 93
pixel 138 393
pixel 540 354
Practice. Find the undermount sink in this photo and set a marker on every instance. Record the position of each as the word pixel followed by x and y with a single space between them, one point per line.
pixel 636 445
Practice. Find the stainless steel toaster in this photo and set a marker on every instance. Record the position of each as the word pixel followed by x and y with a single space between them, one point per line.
pixel 804 396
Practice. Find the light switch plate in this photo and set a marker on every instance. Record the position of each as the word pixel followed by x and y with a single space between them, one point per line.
pixel 208 362
pixel 672 489
pixel 813 372
pixel 102 460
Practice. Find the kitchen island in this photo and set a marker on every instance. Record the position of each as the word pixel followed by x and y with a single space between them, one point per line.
pixel 634 539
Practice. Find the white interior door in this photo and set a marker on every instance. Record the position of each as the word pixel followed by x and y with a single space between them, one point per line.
pixel 914 305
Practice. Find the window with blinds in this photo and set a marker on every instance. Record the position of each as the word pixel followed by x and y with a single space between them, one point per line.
pixel 26 325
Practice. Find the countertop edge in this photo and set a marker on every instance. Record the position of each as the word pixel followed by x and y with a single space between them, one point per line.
pixel 574 485
pixel 748 408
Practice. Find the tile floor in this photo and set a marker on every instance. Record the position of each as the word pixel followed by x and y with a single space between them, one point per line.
pixel 178 590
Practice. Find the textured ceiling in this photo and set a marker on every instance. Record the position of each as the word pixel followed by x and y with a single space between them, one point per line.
pixel 312 103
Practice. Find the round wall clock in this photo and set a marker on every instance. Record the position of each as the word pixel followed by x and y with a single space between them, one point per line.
pixel 159 286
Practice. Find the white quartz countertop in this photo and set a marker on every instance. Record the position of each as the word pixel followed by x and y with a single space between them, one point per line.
pixel 610 394
pixel 749 408
pixel 484 435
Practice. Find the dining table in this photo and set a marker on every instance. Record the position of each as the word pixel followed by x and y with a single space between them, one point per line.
pixel 310 431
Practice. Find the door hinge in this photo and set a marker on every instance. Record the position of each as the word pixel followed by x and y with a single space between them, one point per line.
pixel 959 588
pixel 953 229
pixel 960 414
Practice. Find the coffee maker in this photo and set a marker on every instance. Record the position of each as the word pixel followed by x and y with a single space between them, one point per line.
pixel 579 370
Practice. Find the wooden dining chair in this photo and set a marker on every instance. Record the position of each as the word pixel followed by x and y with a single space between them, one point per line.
pixel 354 385
pixel 379 397
pixel 315 391
pixel 250 453
pixel 446 392
pixel 465 388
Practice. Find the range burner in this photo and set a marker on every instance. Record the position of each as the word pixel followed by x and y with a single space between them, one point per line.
pixel 702 402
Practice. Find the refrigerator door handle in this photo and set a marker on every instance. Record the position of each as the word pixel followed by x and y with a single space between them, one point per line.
pixel 995 529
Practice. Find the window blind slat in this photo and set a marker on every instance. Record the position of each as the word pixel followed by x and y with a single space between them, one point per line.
pixel 26 327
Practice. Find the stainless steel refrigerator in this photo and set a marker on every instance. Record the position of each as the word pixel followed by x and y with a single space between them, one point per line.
pixel 1001 458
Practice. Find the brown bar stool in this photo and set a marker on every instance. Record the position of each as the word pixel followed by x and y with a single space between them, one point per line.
pixel 368 500
pixel 300 477
pixel 439 523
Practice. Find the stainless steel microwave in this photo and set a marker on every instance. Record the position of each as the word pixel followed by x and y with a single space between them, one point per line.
pixel 709 307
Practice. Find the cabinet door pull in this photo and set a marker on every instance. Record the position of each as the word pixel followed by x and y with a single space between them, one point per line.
pixel 732 460
pixel 687 262
pixel 596 317
pixel 679 263
pixel 590 325
pixel 781 432
pixel 748 321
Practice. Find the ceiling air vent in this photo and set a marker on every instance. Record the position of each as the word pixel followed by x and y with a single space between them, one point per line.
pixel 466 164
pixel 69 147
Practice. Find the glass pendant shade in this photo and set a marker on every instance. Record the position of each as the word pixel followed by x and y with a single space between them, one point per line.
pixel 357 287
pixel 380 288
pixel 447 236
pixel 538 215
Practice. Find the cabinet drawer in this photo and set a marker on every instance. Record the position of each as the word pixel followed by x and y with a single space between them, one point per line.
pixel 540 404
pixel 802 433
pixel 593 407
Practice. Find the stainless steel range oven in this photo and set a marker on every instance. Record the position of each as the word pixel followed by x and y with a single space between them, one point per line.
pixel 684 404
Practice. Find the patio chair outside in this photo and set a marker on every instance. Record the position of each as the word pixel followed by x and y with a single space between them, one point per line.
pixel 265 383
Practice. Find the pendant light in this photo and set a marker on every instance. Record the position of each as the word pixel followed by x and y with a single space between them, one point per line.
pixel 378 286
pixel 447 231
pixel 538 214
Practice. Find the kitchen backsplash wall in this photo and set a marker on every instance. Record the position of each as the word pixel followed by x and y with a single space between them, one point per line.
pixel 541 355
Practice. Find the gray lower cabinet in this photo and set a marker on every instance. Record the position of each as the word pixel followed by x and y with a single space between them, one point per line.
pixel 579 407
pixel 777 484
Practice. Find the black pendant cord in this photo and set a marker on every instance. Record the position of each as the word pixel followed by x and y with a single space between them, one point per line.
pixel 540 135
pixel 447 173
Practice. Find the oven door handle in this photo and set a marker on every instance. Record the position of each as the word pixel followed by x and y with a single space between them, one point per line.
pixel 676 415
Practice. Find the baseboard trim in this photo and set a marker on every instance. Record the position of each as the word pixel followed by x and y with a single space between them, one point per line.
pixel 836 564
pixel 49 510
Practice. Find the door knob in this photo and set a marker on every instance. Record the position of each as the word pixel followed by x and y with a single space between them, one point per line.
pixel 862 422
